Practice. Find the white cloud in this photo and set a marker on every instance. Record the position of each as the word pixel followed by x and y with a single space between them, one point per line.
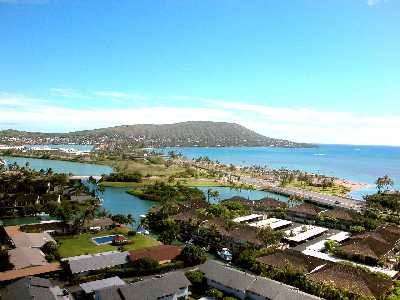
pixel 307 124
pixel 298 124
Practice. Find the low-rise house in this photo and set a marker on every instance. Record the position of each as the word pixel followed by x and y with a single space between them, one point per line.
pixel 354 280
pixel 268 289
pixel 373 247
pixel 48 269
pixel 170 286
pixel 228 280
pixel 243 285
pixel 34 288
pixel 248 219
pixel 272 223
pixel 305 212
pixel 84 264
pixel 90 288
pixel 24 257
pixel 303 233
pixel 19 238
pixel 264 204
pixel 344 218
pixel 292 258
pixel 98 224
pixel 162 253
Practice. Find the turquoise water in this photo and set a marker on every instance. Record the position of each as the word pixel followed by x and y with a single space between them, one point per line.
pixel 226 192
pixel 117 201
pixel 357 163
pixel 24 220
pixel 60 166
pixel 102 240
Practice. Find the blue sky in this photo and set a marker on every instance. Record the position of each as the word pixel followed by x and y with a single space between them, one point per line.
pixel 307 70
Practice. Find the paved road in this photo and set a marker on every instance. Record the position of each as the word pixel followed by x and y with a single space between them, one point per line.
pixel 319 198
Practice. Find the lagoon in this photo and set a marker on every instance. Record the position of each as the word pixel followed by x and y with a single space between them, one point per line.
pixel 227 192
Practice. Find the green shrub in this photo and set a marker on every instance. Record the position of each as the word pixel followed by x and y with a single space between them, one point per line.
pixel 217 294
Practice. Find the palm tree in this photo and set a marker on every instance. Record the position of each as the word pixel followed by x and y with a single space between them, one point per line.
pixel 130 220
pixel 384 183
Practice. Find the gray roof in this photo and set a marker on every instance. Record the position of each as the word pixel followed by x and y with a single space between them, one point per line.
pixel 245 282
pixel 275 290
pixel 29 288
pixel 83 263
pixel 150 289
pixel 110 293
pixel 92 286
pixel 26 257
pixel 226 276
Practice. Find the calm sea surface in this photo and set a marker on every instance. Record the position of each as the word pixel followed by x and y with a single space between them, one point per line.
pixel 357 163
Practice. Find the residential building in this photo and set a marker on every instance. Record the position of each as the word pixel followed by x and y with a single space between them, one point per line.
pixel 354 280
pixel 90 288
pixel 342 217
pixel 228 280
pixel 303 233
pixel 34 288
pixel 305 213
pixel 373 247
pixel 24 257
pixel 84 264
pixel 294 259
pixel 98 224
pixel 243 285
pixel 249 218
pixel 170 286
pixel 272 223
pixel 19 238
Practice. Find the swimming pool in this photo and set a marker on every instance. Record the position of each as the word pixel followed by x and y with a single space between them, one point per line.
pixel 103 240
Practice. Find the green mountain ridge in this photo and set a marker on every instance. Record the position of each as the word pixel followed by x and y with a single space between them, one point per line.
pixel 184 134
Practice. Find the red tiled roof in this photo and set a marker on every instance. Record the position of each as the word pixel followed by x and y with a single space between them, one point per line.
pixel 159 253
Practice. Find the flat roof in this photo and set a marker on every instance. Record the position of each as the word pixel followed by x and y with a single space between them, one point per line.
pixel 340 236
pixel 247 218
pixel 271 222
pixel 92 286
pixel 83 263
pixel 299 234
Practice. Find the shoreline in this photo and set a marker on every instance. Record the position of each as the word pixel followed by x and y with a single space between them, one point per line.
pixel 351 185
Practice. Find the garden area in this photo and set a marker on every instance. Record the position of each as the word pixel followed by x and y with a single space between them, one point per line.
pixel 80 244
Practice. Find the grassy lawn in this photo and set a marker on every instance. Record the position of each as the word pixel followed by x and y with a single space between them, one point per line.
pixel 83 244
pixel 130 166
pixel 336 190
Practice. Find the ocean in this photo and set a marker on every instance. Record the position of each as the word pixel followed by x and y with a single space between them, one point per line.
pixel 357 163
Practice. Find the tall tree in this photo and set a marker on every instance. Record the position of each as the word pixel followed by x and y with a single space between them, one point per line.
pixel 384 183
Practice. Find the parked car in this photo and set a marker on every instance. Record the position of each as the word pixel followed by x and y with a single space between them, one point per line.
pixel 225 254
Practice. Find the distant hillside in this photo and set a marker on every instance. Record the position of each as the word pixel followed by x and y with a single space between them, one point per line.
pixel 185 134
